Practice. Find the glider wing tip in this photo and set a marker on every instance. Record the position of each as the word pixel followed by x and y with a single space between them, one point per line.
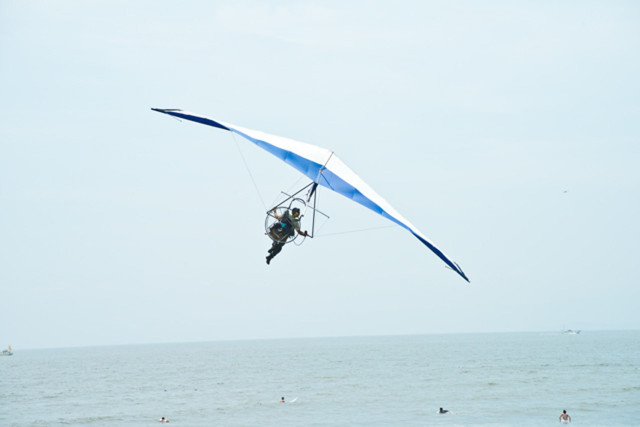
pixel 466 279
pixel 165 110
pixel 461 273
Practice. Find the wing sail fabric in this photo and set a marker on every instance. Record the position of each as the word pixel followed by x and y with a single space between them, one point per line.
pixel 322 166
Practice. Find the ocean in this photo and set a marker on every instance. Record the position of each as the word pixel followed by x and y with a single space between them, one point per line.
pixel 500 379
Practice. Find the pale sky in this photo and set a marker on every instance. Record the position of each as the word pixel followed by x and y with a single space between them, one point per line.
pixel 507 132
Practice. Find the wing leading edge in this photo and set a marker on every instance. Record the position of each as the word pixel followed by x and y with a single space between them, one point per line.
pixel 322 166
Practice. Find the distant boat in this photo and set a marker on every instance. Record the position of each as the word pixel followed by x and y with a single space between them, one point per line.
pixel 571 332
pixel 7 352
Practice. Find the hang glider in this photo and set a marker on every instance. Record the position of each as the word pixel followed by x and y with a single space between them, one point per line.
pixel 324 168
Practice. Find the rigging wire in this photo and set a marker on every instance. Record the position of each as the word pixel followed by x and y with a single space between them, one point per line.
pixel 357 231
pixel 246 165
pixel 289 190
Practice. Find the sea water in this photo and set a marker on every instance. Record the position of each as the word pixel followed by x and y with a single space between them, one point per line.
pixel 523 379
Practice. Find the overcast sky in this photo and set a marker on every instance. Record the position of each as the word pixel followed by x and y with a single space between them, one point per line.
pixel 507 132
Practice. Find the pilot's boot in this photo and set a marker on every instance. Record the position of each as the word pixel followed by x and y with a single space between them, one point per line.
pixel 275 250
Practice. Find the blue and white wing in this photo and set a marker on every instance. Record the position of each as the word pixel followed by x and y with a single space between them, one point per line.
pixel 324 167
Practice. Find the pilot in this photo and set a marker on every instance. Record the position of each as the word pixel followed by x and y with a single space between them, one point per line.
pixel 281 231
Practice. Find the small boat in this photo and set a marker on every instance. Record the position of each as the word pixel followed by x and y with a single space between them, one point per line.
pixel 7 352
pixel 571 332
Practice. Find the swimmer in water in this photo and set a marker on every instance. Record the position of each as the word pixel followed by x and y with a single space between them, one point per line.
pixel 163 420
pixel 443 411
pixel 564 418
pixel 282 400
